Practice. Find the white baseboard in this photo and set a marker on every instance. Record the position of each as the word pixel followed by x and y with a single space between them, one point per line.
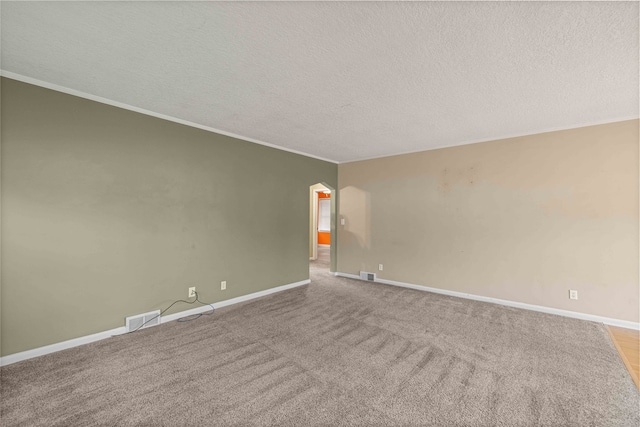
pixel 574 314
pixel 41 351
pixel 220 304
pixel 52 348
pixel 347 275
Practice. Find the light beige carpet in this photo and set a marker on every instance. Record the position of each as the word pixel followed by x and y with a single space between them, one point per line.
pixel 334 353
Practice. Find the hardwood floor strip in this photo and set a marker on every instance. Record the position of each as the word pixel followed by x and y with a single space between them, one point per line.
pixel 627 341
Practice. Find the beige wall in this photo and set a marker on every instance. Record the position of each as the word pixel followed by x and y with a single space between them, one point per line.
pixel 522 219
pixel 109 213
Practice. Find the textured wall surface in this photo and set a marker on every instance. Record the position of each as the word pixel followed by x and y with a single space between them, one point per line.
pixel 523 219
pixel 109 213
pixel 341 80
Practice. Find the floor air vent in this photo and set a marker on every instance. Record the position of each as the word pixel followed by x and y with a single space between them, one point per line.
pixel 144 320
pixel 364 275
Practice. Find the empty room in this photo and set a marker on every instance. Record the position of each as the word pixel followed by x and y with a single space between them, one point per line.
pixel 319 213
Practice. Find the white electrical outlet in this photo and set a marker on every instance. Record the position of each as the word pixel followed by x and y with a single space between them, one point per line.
pixel 192 292
pixel 573 294
pixel 380 267
pixel 223 285
pixel 341 221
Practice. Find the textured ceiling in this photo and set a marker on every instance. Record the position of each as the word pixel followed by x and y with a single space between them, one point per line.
pixel 340 81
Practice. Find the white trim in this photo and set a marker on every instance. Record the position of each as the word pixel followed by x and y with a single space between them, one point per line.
pixel 63 89
pixel 314 224
pixel 243 298
pixel 574 314
pixel 347 275
pixel 496 138
pixel 41 351
pixel 52 348
pixel 122 105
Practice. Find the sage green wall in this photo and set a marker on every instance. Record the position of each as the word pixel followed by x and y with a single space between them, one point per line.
pixel 109 213
pixel 521 219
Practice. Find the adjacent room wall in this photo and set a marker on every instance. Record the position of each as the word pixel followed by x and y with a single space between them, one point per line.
pixel 109 213
pixel 324 237
pixel 521 219
pixel 312 229
pixel 1 244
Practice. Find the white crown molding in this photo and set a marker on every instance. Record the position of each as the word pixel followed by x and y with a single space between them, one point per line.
pixel 80 94
pixel 69 91
pixel 566 313
pixel 41 351
pixel 497 138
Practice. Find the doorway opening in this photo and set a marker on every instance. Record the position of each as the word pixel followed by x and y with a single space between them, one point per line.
pixel 321 227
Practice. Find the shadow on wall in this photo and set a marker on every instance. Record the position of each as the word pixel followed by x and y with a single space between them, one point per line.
pixel 355 210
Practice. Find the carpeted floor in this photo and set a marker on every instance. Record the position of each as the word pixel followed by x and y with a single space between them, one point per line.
pixel 334 353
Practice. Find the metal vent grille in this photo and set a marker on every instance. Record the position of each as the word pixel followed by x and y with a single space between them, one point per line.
pixel 365 275
pixel 141 321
